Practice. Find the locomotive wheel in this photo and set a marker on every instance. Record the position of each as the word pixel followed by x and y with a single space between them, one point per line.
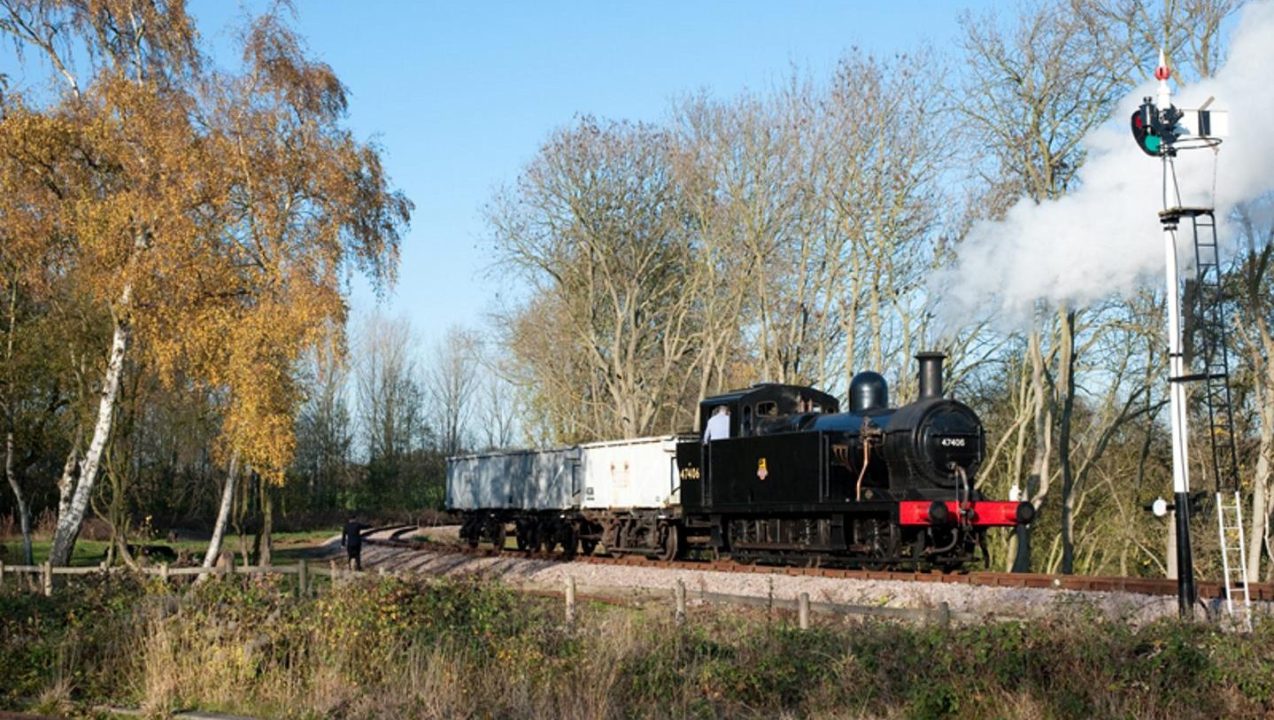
pixel 587 546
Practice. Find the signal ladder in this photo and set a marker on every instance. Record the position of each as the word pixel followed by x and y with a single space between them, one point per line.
pixel 1210 299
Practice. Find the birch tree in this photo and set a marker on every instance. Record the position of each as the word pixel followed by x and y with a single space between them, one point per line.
pixel 212 216
pixel 109 146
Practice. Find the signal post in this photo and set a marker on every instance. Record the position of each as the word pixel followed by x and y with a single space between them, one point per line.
pixel 1157 126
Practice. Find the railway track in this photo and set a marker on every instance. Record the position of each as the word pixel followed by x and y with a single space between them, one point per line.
pixel 1260 592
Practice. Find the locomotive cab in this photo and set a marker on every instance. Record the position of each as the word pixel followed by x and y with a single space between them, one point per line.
pixel 709 472
pixel 766 408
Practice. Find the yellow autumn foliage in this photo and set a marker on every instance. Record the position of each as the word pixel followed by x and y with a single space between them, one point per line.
pixel 217 215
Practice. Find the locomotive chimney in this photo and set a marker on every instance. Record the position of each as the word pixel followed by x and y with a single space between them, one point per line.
pixel 930 374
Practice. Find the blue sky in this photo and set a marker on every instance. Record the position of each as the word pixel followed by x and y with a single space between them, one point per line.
pixel 460 94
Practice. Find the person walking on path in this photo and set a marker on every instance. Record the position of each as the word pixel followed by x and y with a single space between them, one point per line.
pixel 352 541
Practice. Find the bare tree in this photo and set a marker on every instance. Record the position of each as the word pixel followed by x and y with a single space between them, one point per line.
pixel 1033 93
pixel 1253 291
pixel 497 410
pixel 451 381
pixel 884 182
pixel 1132 32
pixel 594 226
pixel 324 433
pixel 390 402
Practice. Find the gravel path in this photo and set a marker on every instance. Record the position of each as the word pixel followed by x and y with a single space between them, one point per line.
pixel 967 602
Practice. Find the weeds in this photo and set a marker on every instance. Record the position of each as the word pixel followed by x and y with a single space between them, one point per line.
pixel 380 647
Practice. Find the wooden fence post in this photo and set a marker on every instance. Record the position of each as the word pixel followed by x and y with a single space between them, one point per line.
pixel 48 578
pixel 1 573
pixel 570 600
pixel 803 610
pixel 679 592
pixel 303 578
pixel 944 614
pixel 163 573
pixel 335 575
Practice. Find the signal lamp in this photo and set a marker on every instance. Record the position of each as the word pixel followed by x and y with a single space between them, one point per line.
pixel 1145 129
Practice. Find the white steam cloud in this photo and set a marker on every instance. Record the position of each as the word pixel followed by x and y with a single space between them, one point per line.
pixel 1105 237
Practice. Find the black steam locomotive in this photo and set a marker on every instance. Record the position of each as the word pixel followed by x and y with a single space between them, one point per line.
pixel 798 481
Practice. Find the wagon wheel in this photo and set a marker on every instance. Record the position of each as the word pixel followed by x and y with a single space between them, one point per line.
pixel 569 539
pixel 469 531
pixel 529 536
pixel 610 538
pixel 520 535
pixel 669 542
pixel 498 535
pixel 587 546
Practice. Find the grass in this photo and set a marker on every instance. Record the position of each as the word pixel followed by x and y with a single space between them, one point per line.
pixel 390 647
pixel 288 547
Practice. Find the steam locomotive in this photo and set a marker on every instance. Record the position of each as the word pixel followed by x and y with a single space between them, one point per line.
pixel 794 480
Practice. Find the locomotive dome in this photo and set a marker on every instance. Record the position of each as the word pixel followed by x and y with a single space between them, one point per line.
pixel 868 391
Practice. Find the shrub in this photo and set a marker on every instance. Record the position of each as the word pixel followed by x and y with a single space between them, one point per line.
pixel 377 646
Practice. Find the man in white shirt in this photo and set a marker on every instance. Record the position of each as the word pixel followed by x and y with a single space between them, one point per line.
pixel 718 425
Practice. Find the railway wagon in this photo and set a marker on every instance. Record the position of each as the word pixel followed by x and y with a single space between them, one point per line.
pixel 569 497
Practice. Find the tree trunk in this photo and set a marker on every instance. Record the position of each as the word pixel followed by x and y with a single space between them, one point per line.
pixel 265 543
pixel 1258 527
pixel 24 511
pixel 70 470
pixel 1038 481
pixel 223 514
pixel 1066 367
pixel 69 520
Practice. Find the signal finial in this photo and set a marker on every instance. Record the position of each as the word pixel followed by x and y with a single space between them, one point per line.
pixel 1162 72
